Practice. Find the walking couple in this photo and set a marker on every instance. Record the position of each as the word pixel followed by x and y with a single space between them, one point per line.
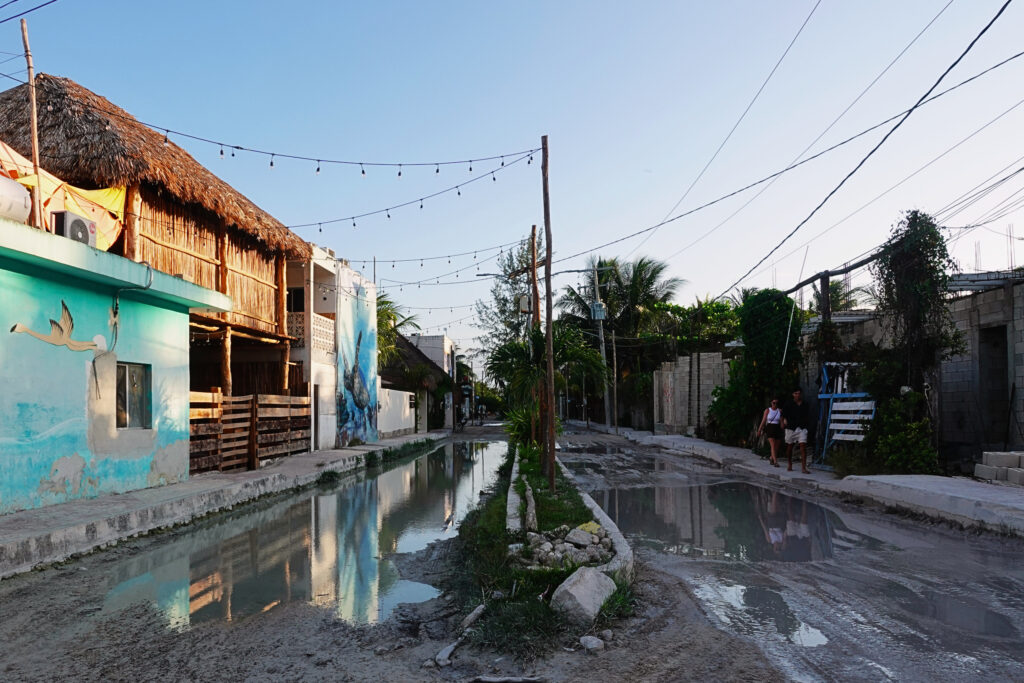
pixel 790 423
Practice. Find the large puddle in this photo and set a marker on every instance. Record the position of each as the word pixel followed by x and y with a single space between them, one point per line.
pixel 729 521
pixel 328 548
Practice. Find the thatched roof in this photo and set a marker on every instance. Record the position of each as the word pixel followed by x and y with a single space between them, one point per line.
pixel 90 142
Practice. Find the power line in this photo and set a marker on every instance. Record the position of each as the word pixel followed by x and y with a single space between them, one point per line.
pixel 793 166
pixel 876 147
pixel 819 137
pixel 714 156
pixel 28 11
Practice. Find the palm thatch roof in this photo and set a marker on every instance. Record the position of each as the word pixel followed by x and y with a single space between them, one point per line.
pixel 90 142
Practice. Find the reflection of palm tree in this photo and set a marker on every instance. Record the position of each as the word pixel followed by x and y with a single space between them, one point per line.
pixel 60 332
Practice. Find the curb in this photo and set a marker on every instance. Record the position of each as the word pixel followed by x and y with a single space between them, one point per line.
pixel 513 524
pixel 620 566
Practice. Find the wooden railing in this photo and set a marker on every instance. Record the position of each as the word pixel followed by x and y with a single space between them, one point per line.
pixel 238 432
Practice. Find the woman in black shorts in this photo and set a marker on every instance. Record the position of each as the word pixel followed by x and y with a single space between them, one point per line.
pixel 771 425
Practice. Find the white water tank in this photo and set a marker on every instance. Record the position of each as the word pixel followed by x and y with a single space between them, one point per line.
pixel 15 200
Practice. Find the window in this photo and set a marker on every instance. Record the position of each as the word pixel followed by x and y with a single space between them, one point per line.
pixel 296 300
pixel 134 396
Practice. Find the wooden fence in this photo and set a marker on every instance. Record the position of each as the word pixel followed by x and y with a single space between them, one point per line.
pixel 240 432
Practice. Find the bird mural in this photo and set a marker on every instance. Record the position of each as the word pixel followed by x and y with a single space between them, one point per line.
pixel 60 333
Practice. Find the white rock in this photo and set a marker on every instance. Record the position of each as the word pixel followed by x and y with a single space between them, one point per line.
pixel 581 595
pixel 579 538
pixel 546 547
pixel 607 634
pixel 591 643
pixel 534 540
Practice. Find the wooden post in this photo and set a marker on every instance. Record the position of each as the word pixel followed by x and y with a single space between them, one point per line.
pixel 132 215
pixel 826 298
pixel 284 367
pixel 282 292
pixel 37 200
pixel 615 384
pixel 254 438
pixel 534 320
pixel 222 256
pixel 548 339
pixel 225 361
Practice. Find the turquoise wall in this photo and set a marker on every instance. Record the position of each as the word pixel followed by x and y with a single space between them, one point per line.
pixel 356 329
pixel 58 439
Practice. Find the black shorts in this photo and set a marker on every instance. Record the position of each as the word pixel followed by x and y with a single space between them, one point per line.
pixel 773 430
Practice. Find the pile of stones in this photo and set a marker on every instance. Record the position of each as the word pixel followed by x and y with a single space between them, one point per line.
pixel 587 544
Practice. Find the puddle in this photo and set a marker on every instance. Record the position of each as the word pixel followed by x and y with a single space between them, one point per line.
pixel 961 613
pixel 324 548
pixel 730 521
pixel 756 611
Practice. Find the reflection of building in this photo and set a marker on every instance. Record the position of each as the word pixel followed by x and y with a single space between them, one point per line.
pixel 328 550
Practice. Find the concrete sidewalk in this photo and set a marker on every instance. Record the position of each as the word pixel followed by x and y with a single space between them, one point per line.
pixel 31 538
pixel 997 507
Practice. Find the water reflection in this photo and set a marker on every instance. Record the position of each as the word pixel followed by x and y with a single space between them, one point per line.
pixel 323 548
pixel 756 611
pixel 725 520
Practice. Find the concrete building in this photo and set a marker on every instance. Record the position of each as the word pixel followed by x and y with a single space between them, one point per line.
pixel 94 362
pixel 683 391
pixel 441 350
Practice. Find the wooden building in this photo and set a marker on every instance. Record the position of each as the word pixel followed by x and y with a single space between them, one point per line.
pixel 181 219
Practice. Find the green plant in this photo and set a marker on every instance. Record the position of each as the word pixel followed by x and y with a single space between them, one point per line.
pixel 620 604
pixel 902 438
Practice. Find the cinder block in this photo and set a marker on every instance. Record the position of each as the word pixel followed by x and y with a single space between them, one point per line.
pixel 1015 475
pixel 986 472
pixel 1001 458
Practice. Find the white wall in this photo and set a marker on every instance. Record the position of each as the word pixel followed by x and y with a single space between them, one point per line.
pixel 325 378
pixel 396 414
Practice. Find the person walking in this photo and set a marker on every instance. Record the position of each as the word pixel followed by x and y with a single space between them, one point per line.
pixel 795 420
pixel 771 426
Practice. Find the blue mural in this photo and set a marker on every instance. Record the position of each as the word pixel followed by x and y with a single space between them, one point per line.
pixel 356 326
pixel 59 356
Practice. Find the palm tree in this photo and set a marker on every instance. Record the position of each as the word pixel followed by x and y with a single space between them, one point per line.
pixel 390 323
pixel 840 298
pixel 741 295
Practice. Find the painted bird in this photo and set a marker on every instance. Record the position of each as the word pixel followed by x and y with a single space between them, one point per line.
pixel 60 333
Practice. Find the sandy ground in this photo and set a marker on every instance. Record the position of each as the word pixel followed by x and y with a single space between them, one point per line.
pixel 53 627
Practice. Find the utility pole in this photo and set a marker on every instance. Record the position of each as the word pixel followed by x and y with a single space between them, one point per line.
pixel 615 384
pixel 534 321
pixel 548 338
pixel 604 358
pixel 37 200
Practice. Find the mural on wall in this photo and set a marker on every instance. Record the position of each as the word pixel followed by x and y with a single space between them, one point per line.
pixel 356 326
pixel 62 439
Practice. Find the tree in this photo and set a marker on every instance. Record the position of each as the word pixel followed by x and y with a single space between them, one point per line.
pixel 912 274
pixel 840 298
pixel 500 317
pixel 390 323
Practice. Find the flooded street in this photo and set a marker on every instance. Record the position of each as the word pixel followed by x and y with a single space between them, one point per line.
pixel 320 555
pixel 828 591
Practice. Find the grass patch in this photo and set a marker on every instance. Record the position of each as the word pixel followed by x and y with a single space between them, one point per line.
pixel 619 605
pixel 328 478
pixel 565 506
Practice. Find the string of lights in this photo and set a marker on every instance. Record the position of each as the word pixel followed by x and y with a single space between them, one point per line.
pixel 319 161
pixel 796 165
pixel 421 259
pixel 457 188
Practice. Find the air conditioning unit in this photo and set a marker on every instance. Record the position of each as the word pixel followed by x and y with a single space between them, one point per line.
pixel 74 227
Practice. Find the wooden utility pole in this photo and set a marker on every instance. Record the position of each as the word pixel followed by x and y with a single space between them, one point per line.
pixel 604 355
pixel 615 384
pixel 826 297
pixel 534 320
pixel 37 201
pixel 548 333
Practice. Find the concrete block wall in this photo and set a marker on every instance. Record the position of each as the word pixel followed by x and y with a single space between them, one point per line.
pixel 672 389
pixel 1005 466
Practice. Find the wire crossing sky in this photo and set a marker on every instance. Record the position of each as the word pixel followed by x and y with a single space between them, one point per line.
pixel 635 100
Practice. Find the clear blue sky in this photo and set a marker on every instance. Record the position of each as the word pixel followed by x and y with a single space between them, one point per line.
pixel 635 97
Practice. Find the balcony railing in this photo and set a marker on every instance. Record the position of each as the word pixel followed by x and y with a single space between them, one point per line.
pixel 323 332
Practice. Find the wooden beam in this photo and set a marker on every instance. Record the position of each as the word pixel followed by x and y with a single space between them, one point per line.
pixel 177 247
pixel 132 211
pixel 286 358
pixel 225 360
pixel 282 313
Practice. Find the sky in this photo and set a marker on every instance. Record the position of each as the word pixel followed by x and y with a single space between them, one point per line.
pixel 635 98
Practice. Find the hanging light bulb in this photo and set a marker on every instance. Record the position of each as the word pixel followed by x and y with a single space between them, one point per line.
pixel 421 203
pixel 392 265
pixel 318 167
pixel 222 151
pixel 437 168
pixel 474 256
pixel 320 226
pixel 232 152
pixel 362 170
pixel 470 165
pixel 492 177
pixel 421 263
pixel 530 160
pixel 503 161
pixel 271 161
pixel 457 189
pixel 166 141
pixel 388 212
pixel 353 222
